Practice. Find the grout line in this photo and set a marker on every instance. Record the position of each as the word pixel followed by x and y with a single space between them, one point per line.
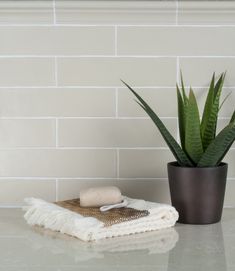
pixel 113 56
pixel 104 87
pixel 113 24
pixel 83 148
pixel 88 148
pixel 91 117
pixel 84 87
pixel 81 178
pixel 94 118
pixel 35 178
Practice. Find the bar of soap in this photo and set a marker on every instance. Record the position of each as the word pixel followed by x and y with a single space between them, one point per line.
pixel 100 196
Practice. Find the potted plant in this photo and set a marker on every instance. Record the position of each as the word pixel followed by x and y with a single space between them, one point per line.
pixel 197 178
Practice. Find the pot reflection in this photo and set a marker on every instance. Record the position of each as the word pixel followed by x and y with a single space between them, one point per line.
pixel 199 248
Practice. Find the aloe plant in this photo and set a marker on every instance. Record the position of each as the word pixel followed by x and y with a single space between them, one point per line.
pixel 199 145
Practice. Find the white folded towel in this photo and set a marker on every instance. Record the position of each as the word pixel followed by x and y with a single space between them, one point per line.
pixel 54 217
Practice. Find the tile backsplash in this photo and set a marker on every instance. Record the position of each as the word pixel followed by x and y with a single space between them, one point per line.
pixel 67 121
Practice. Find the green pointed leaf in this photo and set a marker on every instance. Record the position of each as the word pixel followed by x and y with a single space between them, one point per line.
pixel 193 141
pixel 181 117
pixel 179 154
pixel 233 117
pixel 185 98
pixel 219 84
pixel 224 100
pixel 208 134
pixel 208 106
pixel 218 148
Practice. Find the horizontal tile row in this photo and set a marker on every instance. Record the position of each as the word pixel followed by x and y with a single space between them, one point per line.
pixel 63 163
pixel 107 71
pixel 26 12
pixel 206 12
pixel 87 40
pixel 96 102
pixel 27 133
pixel 168 41
pixel 158 98
pixel 140 12
pixel 36 40
pixel 117 12
pixel 13 192
pixel 57 163
pixel 111 133
pixel 87 71
pixel 27 72
pixel 85 133
pixel 57 102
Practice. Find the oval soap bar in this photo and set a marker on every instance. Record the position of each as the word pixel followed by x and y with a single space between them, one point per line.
pixel 100 196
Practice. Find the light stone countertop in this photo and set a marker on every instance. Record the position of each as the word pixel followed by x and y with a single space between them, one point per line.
pixel 183 248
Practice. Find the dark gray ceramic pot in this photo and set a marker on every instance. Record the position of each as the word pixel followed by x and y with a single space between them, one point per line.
pixel 197 193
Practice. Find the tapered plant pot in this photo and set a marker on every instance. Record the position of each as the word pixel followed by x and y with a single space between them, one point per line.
pixel 197 193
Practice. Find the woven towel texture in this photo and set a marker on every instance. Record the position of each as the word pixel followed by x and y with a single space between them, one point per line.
pixel 109 218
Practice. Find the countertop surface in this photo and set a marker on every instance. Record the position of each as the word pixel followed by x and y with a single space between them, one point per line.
pixel 184 247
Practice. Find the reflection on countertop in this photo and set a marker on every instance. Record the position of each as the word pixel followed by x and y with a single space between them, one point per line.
pixel 185 247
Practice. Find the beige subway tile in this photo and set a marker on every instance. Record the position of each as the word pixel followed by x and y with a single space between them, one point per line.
pixel 118 12
pixel 108 71
pixel 57 40
pixel 27 71
pixel 27 133
pixel 163 101
pixel 183 41
pixel 206 12
pixel 144 163
pixel 198 71
pixel 60 102
pixel 13 191
pixel 26 12
pixel 229 193
pixel 57 163
pixel 111 133
pixel 151 190
pixel 230 159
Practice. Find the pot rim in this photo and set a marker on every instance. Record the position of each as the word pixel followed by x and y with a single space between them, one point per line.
pixel 176 165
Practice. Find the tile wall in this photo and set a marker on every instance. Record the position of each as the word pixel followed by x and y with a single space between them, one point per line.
pixel 67 121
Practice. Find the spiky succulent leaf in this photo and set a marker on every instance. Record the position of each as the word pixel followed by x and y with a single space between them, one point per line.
pixel 193 141
pixel 233 117
pixel 185 98
pixel 224 100
pixel 209 130
pixel 218 148
pixel 179 154
pixel 208 106
pixel 181 117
